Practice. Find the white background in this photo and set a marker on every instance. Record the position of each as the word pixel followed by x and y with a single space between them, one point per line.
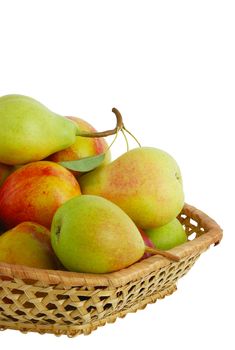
pixel 169 66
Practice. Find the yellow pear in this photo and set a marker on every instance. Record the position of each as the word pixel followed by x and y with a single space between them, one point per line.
pixel 145 182
pixel 28 244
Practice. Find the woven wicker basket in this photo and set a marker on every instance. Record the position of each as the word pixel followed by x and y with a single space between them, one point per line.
pixel 62 302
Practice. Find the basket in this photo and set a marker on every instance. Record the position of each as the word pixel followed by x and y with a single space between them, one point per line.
pixel 62 302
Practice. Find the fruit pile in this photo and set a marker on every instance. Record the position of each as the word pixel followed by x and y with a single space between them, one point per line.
pixel 65 205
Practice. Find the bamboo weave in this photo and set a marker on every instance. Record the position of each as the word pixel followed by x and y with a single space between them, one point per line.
pixel 62 302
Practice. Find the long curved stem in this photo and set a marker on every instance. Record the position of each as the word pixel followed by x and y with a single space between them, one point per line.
pixel 118 127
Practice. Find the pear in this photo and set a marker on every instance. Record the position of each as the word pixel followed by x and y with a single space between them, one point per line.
pixel 168 236
pixel 83 146
pixel 91 234
pixel 4 172
pixel 148 243
pixel 34 192
pixel 30 132
pixel 28 244
pixel 145 182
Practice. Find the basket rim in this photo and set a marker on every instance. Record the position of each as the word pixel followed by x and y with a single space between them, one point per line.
pixel 212 235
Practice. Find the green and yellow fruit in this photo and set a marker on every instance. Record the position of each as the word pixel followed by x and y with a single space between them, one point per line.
pixel 168 236
pixel 91 234
pixel 83 146
pixel 145 182
pixel 29 131
pixel 28 244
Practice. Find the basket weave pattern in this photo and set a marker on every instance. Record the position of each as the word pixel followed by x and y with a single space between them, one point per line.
pixel 62 302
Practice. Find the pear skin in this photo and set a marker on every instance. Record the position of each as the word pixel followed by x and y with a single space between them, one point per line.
pixel 34 192
pixel 145 182
pixel 148 243
pixel 28 244
pixel 91 234
pixel 29 131
pixel 4 172
pixel 83 146
pixel 168 236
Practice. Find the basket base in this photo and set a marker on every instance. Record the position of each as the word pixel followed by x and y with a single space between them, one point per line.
pixel 85 329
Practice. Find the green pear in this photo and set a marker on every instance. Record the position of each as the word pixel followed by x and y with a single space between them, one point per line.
pixel 145 182
pixel 168 236
pixel 91 234
pixel 30 132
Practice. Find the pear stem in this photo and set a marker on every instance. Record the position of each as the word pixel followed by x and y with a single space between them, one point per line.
pixel 132 136
pixel 115 138
pixel 164 253
pixel 119 126
pixel 127 143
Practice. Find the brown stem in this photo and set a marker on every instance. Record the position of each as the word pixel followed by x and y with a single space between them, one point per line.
pixel 118 127
pixel 167 255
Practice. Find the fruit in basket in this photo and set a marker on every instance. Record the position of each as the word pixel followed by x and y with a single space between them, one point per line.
pixel 30 131
pixel 34 192
pixel 4 172
pixel 82 147
pixel 145 182
pixel 147 242
pixel 91 234
pixel 28 244
pixel 168 236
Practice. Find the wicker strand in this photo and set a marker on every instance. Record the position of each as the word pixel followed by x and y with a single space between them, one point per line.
pixel 63 302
